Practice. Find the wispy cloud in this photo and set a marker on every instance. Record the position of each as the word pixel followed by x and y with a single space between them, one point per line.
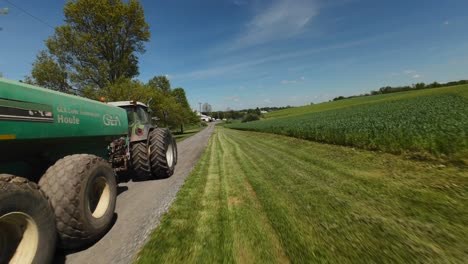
pixel 239 2
pixel 230 67
pixel 414 74
pixel 233 98
pixel 295 81
pixel 281 19
pixel 446 22
pixel 409 73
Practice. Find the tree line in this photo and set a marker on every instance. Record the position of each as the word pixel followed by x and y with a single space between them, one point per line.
pixel 95 54
pixel 417 86
pixel 246 115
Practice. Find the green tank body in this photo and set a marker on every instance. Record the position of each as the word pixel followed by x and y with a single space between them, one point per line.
pixel 61 157
pixel 28 112
pixel 41 124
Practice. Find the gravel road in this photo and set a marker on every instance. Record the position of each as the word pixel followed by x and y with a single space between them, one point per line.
pixel 140 206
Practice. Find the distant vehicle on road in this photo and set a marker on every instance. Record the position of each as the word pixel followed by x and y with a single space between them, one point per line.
pixel 206 118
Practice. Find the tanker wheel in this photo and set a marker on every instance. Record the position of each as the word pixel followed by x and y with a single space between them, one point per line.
pixel 163 153
pixel 27 222
pixel 140 161
pixel 82 190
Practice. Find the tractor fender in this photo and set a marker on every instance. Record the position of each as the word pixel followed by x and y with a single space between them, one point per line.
pixel 140 133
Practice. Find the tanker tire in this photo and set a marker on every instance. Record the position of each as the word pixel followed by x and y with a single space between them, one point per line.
pixel 140 161
pixel 163 153
pixel 27 222
pixel 82 190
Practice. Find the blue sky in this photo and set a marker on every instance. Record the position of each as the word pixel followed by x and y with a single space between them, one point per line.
pixel 249 53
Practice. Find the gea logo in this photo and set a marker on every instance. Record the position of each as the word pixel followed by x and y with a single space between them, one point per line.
pixel 111 121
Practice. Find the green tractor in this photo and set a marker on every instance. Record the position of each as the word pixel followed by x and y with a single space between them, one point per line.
pixel 151 151
pixel 61 157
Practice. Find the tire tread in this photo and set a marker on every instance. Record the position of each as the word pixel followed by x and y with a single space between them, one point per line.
pixel 62 184
pixel 159 140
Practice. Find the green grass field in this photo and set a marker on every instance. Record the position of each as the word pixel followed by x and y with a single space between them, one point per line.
pixel 265 198
pixel 425 123
pixel 461 90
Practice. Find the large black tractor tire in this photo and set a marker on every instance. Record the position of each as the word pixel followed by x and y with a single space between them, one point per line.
pixel 82 190
pixel 176 153
pixel 163 153
pixel 27 222
pixel 140 161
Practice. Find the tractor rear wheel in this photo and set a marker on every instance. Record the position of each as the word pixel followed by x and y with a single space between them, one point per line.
pixel 176 153
pixel 140 161
pixel 163 153
pixel 27 222
pixel 82 190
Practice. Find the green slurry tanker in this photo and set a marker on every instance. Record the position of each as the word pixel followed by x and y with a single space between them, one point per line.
pixel 60 159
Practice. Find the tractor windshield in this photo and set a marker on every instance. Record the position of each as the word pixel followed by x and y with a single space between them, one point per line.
pixel 137 114
pixel 143 115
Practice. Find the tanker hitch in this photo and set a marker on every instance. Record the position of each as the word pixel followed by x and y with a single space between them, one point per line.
pixel 119 154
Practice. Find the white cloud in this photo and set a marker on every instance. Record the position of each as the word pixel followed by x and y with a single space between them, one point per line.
pixel 446 22
pixel 267 100
pixel 282 19
pixel 417 76
pixel 409 72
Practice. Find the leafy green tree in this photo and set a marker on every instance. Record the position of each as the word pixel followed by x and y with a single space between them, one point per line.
pixel 250 117
pixel 258 111
pixel 420 86
pixel 180 97
pixel 220 114
pixel 187 116
pixel 48 73
pixel 96 47
pixel 161 83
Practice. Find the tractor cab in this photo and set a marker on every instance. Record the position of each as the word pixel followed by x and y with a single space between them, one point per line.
pixel 139 118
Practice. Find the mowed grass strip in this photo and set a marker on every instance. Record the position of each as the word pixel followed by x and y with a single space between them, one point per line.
pixel 420 124
pixel 258 197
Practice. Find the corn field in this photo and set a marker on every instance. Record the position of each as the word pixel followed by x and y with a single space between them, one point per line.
pixel 434 124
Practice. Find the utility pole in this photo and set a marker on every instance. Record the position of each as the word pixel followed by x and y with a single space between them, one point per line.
pixel 200 107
